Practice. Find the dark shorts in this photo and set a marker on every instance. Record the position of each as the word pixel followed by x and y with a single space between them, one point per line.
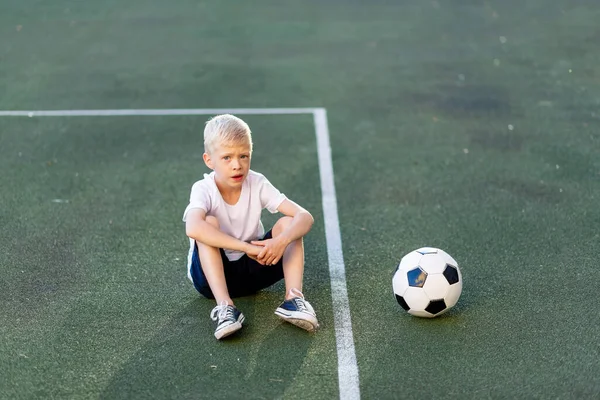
pixel 244 276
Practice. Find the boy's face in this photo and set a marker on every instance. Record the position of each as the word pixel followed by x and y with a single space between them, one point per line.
pixel 230 161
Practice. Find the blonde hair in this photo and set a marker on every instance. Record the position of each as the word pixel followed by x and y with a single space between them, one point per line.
pixel 226 128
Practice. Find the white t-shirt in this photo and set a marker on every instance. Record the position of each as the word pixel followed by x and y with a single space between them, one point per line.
pixel 242 220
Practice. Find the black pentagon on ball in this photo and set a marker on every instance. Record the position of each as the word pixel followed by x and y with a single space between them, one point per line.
pixel 416 277
pixel 402 303
pixel 451 274
pixel 436 306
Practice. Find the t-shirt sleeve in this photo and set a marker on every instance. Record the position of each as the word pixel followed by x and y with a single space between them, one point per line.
pixel 199 198
pixel 270 197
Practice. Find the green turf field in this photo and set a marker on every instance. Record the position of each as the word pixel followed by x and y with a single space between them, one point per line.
pixel 468 125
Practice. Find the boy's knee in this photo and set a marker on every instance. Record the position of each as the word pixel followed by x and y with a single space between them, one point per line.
pixel 281 225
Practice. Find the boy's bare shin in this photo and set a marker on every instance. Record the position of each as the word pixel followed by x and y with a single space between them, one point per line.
pixel 293 257
pixel 293 266
pixel 212 266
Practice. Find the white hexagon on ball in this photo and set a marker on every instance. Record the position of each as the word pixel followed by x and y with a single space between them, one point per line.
pixel 400 283
pixel 410 261
pixel 436 286
pixel 416 298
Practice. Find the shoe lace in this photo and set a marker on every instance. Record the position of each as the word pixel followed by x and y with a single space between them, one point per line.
pixel 221 312
pixel 298 299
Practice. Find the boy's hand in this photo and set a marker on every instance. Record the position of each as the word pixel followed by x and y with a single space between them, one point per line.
pixel 253 251
pixel 272 250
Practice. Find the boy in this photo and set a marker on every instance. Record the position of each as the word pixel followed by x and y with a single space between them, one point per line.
pixel 230 253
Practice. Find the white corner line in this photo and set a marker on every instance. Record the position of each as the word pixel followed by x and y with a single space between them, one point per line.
pixel 155 112
pixel 347 366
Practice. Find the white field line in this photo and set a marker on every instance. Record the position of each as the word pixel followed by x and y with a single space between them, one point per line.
pixel 347 365
pixel 142 112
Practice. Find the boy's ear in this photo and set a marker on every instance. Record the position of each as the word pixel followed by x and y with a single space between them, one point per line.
pixel 207 160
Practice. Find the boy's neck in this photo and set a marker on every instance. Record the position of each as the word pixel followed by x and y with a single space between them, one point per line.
pixel 230 195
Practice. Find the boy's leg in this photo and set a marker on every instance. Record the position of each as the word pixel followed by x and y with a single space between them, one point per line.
pixel 294 309
pixel 293 259
pixel 229 319
pixel 213 269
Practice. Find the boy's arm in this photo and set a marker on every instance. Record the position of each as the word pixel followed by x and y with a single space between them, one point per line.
pixel 274 248
pixel 198 229
pixel 301 223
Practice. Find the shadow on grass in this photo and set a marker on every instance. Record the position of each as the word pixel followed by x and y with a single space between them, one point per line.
pixel 184 360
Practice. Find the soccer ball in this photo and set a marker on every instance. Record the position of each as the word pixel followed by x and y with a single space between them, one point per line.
pixel 427 282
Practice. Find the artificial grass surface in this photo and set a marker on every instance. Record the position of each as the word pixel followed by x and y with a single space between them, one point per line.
pixel 464 125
